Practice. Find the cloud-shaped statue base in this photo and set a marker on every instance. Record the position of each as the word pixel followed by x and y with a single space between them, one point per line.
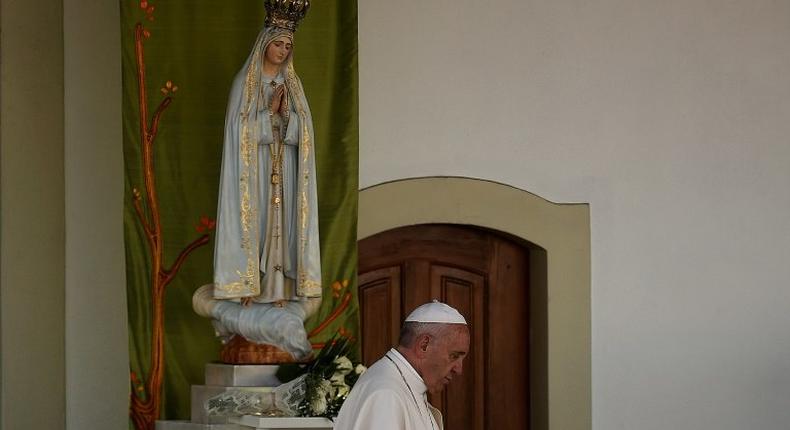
pixel 280 325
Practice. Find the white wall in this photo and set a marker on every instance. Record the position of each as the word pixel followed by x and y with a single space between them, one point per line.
pixel 672 120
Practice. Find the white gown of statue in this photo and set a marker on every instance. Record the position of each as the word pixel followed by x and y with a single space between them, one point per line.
pixel 267 242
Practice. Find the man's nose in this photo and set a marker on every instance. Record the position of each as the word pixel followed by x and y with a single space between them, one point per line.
pixel 458 368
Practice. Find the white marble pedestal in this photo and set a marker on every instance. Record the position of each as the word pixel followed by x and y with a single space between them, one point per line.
pixel 187 425
pixel 259 423
pixel 221 377
pixel 249 422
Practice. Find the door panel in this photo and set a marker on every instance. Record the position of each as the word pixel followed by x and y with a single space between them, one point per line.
pixel 482 275
pixel 464 291
pixel 508 341
pixel 379 311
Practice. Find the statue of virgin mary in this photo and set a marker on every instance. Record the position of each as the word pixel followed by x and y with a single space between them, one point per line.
pixel 267 269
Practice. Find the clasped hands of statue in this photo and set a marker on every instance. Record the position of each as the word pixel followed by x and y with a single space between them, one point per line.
pixel 279 101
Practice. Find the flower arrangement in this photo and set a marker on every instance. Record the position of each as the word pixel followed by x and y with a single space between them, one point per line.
pixel 317 389
pixel 329 379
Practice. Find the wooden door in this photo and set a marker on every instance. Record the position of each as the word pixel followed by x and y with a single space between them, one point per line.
pixel 485 277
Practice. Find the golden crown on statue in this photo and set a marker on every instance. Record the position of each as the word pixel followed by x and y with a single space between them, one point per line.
pixel 285 13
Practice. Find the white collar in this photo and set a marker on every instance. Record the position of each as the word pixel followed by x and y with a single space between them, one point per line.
pixel 416 385
pixel 411 376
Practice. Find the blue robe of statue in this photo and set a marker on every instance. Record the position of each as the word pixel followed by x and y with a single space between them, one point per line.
pixel 267 219
pixel 267 244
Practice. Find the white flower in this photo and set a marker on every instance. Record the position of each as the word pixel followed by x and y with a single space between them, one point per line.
pixel 343 365
pixel 339 386
pixel 338 378
pixel 323 388
pixel 342 390
pixel 318 405
pixel 360 369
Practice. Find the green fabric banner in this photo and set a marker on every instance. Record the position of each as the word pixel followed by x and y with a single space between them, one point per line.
pixel 186 53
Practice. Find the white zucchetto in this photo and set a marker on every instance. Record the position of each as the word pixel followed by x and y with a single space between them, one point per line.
pixel 436 312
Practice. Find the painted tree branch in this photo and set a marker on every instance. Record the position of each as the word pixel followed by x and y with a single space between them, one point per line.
pixel 139 210
pixel 145 407
pixel 197 243
pixel 155 121
pixel 336 313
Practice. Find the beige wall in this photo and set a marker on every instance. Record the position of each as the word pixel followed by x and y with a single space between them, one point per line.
pixel 97 364
pixel 62 298
pixel 32 219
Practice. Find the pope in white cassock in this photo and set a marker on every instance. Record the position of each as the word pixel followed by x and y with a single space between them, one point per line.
pixel 392 393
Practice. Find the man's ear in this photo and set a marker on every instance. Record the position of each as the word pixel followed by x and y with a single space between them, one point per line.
pixel 422 343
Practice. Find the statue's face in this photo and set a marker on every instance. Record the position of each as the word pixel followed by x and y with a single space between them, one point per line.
pixel 278 50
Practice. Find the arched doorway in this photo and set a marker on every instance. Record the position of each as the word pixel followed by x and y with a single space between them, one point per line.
pixel 482 274
pixel 558 237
